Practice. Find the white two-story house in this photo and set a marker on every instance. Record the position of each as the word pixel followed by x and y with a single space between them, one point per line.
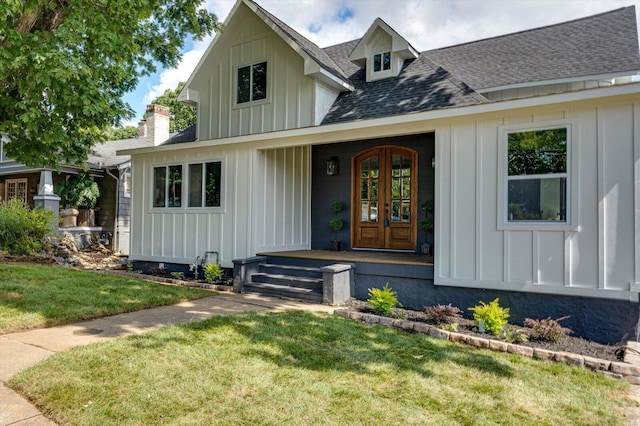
pixel 527 145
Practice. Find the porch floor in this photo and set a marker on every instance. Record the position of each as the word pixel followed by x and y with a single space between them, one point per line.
pixel 357 256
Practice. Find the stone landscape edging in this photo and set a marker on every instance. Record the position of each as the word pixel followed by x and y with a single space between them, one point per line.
pixel 620 370
pixel 164 280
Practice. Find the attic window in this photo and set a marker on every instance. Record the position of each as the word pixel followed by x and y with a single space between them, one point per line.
pixel 252 83
pixel 382 62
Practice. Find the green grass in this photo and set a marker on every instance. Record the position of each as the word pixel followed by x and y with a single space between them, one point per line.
pixel 33 296
pixel 300 368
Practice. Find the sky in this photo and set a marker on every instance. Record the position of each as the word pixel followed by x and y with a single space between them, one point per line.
pixel 426 24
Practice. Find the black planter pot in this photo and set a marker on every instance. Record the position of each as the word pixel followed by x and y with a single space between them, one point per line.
pixel 336 245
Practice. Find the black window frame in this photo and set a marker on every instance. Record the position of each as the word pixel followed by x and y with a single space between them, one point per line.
pixel 252 82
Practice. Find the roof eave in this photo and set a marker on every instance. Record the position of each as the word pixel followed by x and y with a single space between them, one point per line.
pixel 330 133
pixel 600 77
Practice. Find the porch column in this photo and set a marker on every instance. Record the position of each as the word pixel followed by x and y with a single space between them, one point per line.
pixel 336 283
pixel 243 269
pixel 46 199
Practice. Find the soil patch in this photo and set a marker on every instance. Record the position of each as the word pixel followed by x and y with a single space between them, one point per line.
pixel 571 344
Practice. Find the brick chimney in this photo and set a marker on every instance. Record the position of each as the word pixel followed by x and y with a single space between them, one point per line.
pixel 142 128
pixel 157 124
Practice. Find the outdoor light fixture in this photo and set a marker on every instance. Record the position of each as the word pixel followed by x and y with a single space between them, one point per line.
pixel 433 162
pixel 332 166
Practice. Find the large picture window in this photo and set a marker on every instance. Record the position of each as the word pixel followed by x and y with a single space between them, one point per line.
pixel 537 175
pixel 167 186
pixel 252 83
pixel 205 184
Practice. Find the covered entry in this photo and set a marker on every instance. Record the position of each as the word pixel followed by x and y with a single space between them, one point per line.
pixel 384 202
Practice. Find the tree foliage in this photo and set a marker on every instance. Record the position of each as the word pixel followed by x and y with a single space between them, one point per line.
pixel 182 115
pixel 65 65
pixel 117 133
pixel 538 152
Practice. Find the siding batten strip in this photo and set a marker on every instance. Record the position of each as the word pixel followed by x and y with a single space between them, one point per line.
pixel 635 114
pixel 479 205
pixel 602 232
pixel 452 201
pixel 535 258
pixel 567 259
pixel 218 124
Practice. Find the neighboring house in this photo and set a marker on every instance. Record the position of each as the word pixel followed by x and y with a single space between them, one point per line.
pixel 528 144
pixel 111 171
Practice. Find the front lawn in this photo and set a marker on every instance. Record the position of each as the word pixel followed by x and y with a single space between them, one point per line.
pixel 34 296
pixel 299 368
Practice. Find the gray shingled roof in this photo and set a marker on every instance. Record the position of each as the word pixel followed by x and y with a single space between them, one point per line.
pixel 449 77
pixel 421 86
pixel 187 135
pixel 104 154
pixel 601 44
pixel 305 44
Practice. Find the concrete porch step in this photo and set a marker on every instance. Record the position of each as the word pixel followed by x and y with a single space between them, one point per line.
pixel 288 280
pixel 288 270
pixel 298 293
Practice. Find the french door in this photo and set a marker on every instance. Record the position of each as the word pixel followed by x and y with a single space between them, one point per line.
pixel 385 181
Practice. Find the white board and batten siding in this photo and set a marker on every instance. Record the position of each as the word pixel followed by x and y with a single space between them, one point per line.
pixel 292 98
pixel 265 205
pixel 596 255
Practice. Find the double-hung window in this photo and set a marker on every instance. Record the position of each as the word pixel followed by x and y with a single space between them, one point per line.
pixel 537 175
pixel 252 83
pixel 167 186
pixel 205 184
pixel 382 61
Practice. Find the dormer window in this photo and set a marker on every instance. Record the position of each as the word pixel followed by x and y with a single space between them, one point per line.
pixel 252 83
pixel 382 62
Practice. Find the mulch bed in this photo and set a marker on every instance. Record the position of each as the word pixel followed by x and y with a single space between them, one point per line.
pixel 571 344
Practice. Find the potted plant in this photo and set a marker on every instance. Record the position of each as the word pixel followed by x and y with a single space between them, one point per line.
pixel 426 225
pixel 336 225
pixel 77 191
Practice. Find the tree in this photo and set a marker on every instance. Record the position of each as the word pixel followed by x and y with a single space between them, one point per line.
pixel 182 115
pixel 117 133
pixel 65 65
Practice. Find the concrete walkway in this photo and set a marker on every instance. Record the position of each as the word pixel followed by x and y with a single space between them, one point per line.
pixel 21 350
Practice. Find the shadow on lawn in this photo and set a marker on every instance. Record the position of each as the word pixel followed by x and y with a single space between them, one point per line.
pixel 306 340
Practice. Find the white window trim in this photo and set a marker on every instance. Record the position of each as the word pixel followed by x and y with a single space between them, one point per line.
pixel 166 192
pixel 267 99
pixel 185 187
pixel 571 223
pixel 222 175
pixel 382 70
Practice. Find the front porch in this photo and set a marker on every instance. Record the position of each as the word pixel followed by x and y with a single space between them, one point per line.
pixel 348 273
pixel 356 256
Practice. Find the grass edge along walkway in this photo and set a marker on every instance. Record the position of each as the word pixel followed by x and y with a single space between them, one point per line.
pixel 306 368
pixel 36 296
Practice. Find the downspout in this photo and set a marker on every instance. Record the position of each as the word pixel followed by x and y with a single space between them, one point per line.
pixel 116 226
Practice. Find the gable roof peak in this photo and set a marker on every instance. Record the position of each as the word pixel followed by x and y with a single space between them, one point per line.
pixel 399 44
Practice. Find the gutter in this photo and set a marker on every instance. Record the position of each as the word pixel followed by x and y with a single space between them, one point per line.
pixel 338 132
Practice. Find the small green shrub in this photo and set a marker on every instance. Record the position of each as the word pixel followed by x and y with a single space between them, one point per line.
pixel 450 327
pixel 177 275
pixel 492 316
pixel 442 314
pixel 514 335
pixel 383 300
pixel 213 272
pixel 23 231
pixel 547 329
